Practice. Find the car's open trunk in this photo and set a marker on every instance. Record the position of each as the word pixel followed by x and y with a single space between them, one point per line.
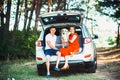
pixel 58 29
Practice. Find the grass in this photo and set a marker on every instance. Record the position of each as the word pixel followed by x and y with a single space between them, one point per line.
pixel 26 70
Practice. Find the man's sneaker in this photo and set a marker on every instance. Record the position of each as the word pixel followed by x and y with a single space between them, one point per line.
pixel 47 76
pixel 56 69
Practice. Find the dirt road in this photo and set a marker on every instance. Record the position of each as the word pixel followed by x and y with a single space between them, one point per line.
pixel 108 64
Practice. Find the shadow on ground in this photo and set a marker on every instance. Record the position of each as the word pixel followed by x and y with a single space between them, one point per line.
pixel 74 70
pixel 109 62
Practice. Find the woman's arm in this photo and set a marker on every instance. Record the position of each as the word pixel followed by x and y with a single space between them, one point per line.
pixel 73 38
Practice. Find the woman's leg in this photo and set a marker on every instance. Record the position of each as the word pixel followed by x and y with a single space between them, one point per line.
pixel 66 61
pixel 66 65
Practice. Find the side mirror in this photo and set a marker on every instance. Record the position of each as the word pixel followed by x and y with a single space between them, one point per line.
pixel 95 36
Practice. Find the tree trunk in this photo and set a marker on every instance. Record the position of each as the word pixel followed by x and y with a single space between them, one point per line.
pixel 6 27
pixel 49 4
pixel 2 20
pixel 19 16
pixel 87 10
pixel 61 5
pixel 16 24
pixel 64 4
pixel 38 7
pixel 118 36
pixel 1 13
pixel 31 14
pixel 26 15
pixel 58 6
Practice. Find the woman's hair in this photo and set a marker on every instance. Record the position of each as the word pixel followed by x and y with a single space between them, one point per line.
pixel 73 27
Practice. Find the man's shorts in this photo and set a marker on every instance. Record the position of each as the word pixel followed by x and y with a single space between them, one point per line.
pixel 50 52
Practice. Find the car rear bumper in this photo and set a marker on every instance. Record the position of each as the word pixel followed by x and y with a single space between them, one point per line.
pixel 72 63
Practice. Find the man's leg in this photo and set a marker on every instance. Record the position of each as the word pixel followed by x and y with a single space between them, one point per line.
pixel 58 59
pixel 48 64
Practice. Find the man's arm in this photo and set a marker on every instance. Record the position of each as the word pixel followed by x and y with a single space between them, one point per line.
pixel 58 44
pixel 50 45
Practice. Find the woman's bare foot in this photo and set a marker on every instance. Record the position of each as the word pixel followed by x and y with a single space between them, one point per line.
pixel 71 54
pixel 65 67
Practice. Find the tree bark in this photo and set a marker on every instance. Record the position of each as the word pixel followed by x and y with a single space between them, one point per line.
pixel 58 6
pixel 38 7
pixel 118 36
pixel 16 24
pixel 1 13
pixel 31 14
pixel 49 4
pixel 19 15
pixel 64 4
pixel 6 27
pixel 26 15
pixel 61 5
pixel 2 20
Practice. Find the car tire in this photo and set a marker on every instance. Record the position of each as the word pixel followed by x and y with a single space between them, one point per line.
pixel 41 69
pixel 92 67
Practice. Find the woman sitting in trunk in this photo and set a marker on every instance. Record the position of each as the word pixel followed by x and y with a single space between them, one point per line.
pixel 73 47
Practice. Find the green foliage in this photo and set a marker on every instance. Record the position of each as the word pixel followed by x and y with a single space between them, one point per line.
pixel 111 41
pixel 24 46
pixel 109 7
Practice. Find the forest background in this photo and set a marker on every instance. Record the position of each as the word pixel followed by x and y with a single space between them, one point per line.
pixel 20 28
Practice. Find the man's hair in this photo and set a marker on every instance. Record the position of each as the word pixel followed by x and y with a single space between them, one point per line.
pixel 52 27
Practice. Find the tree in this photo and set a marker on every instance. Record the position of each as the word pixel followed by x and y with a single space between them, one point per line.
pixel 4 25
pixel 61 5
pixel 16 23
pixel 111 8
pixel 26 14
pixel 49 4
pixel 37 11
pixel 31 14
pixel 2 15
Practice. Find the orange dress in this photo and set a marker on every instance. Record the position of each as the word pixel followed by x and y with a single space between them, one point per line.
pixel 72 47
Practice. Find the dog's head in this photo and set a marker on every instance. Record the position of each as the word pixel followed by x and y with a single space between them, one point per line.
pixel 64 31
pixel 64 34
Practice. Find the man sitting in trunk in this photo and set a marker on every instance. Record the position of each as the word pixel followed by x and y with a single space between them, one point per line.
pixel 50 49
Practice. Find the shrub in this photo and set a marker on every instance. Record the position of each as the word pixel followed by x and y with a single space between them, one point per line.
pixel 24 46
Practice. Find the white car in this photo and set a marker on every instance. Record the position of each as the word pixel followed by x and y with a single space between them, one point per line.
pixel 64 19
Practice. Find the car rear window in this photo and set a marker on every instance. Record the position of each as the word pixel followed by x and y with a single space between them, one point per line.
pixel 61 19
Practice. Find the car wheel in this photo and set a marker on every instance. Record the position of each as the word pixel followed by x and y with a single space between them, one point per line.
pixel 41 69
pixel 91 68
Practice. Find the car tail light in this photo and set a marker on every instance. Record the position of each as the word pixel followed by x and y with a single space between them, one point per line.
pixel 87 40
pixel 39 58
pixel 38 43
pixel 87 56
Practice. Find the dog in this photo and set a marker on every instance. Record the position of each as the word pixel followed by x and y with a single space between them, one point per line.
pixel 64 37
